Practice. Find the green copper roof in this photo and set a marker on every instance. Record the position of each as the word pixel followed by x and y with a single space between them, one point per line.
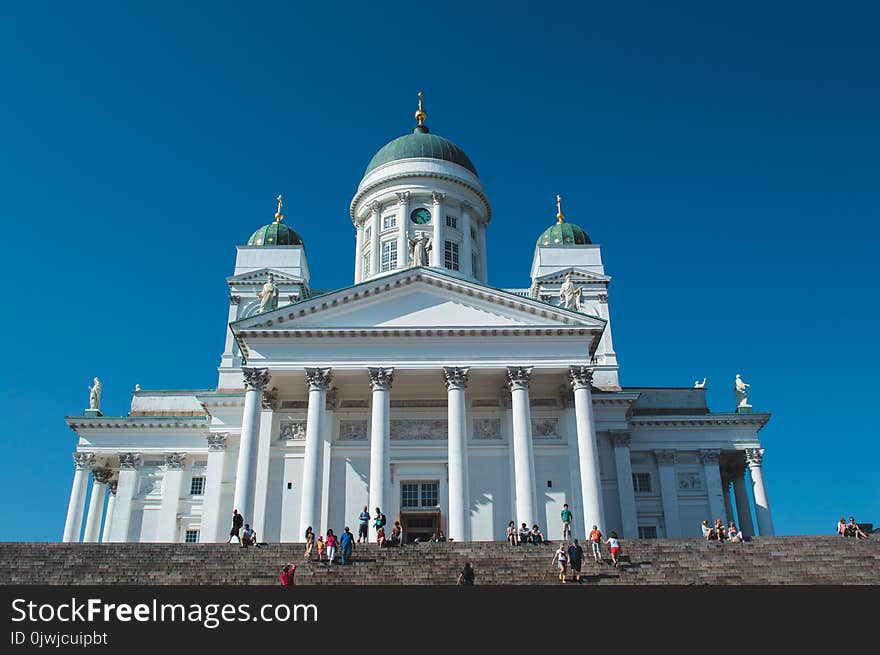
pixel 564 234
pixel 420 143
pixel 275 234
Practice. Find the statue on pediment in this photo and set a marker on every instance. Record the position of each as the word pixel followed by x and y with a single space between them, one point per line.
pixel 419 247
pixel 570 296
pixel 268 295
pixel 739 390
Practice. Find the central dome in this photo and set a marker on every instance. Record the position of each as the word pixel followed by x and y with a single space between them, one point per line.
pixel 420 144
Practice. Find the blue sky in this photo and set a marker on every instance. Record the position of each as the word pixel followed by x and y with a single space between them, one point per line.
pixel 724 157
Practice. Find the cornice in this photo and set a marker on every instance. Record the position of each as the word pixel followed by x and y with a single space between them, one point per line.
pixel 137 422
pixel 361 193
pixel 704 420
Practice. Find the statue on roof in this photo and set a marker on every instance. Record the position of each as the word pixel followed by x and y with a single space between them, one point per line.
pixel 268 295
pixel 700 385
pixel 570 295
pixel 95 395
pixel 419 247
pixel 740 393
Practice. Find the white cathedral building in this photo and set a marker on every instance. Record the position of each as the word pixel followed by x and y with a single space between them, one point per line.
pixel 451 404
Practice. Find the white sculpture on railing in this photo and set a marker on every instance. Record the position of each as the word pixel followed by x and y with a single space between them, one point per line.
pixel 95 395
pixel 740 393
pixel 700 385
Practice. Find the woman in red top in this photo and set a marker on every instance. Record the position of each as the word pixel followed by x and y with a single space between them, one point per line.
pixel 332 543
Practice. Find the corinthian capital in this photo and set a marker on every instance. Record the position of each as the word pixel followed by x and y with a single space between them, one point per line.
pixel 102 475
pixel 665 456
pixel 403 197
pixel 710 456
pixel 375 207
pixel 112 486
pixel 456 377
pixel 217 441
pixel 83 460
pixel 174 461
pixel 754 456
pixel 381 378
pixel 620 438
pixel 437 197
pixel 581 377
pixel 319 378
pixel 256 378
pixel 129 461
pixel 518 377
pixel 270 399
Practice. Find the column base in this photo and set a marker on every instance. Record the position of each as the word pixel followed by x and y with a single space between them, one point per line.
pixel 744 409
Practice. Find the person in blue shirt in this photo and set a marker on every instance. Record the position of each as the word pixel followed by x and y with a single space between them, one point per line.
pixel 363 524
pixel 346 542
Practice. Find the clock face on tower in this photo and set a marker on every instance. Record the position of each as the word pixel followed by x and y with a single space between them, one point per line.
pixel 420 216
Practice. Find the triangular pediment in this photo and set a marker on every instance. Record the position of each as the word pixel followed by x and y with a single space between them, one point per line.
pixel 260 276
pixel 417 298
pixel 578 276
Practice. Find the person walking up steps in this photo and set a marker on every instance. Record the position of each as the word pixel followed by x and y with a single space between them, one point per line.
pixel 596 544
pixel 614 543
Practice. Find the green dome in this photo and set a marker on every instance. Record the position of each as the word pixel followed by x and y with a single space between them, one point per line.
pixel 564 234
pixel 275 234
pixel 420 143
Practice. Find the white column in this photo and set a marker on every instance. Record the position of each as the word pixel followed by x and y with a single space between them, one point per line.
pixel 439 218
pixel 96 505
pixel 669 491
pixel 212 527
pixel 709 458
pixel 467 248
pixel 762 505
pixel 358 250
pixel 403 227
pixel 73 524
pixel 126 490
pixel 380 440
pixel 459 498
pixel 261 475
pixel 172 486
pixel 312 479
pixel 375 247
pixel 111 507
pixel 588 451
pixel 518 378
pixel 255 380
pixel 623 464
pixel 743 507
pixel 484 259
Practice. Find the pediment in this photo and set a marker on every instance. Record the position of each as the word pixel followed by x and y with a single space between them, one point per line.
pixel 260 276
pixel 578 276
pixel 415 299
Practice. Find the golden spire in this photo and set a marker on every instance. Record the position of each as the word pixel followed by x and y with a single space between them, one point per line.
pixel 278 215
pixel 560 217
pixel 420 114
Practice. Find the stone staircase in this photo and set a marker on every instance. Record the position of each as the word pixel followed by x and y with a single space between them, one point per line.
pixel 764 561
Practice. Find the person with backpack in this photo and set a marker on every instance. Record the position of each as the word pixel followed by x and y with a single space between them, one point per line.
pixel 567 517
pixel 560 558
pixel 380 521
pixel 596 544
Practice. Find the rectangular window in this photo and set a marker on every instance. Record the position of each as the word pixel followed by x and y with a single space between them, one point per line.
pixel 197 487
pixel 389 221
pixel 419 495
pixel 409 495
pixel 647 532
pixel 642 483
pixel 192 537
pixel 451 256
pixel 452 221
pixel 365 266
pixel 389 255
pixel 367 233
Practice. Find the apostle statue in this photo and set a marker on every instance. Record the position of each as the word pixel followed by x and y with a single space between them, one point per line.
pixel 569 294
pixel 419 247
pixel 268 295
pixel 739 390
pixel 95 395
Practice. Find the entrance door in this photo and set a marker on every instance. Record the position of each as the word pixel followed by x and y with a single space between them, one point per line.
pixel 421 526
